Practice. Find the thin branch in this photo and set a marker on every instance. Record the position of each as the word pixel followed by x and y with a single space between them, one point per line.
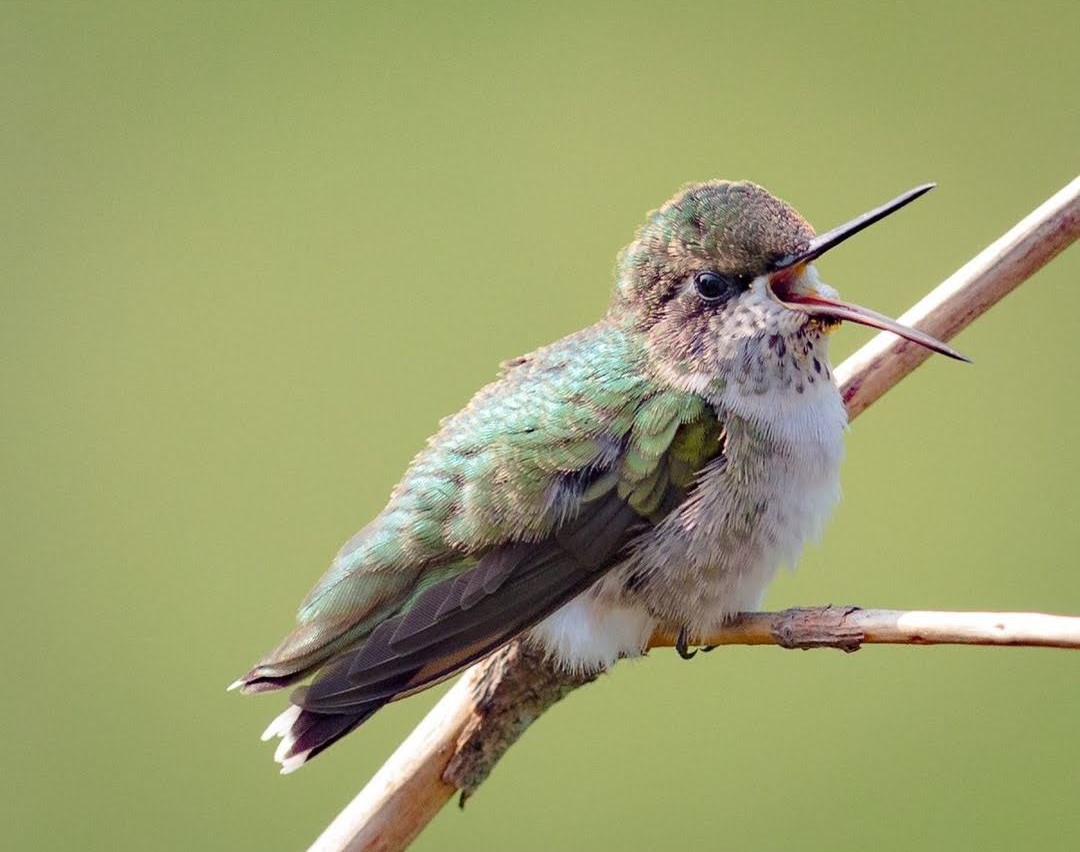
pixel 465 734
pixel 456 745
pixel 849 628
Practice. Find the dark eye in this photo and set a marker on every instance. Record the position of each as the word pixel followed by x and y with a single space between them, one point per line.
pixel 712 286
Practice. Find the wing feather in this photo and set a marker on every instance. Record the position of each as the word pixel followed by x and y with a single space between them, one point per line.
pixel 519 504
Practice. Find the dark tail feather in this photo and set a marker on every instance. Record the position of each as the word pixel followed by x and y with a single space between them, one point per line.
pixel 450 625
pixel 309 734
pixel 305 733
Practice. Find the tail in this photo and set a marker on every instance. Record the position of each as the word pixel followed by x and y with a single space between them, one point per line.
pixel 339 698
pixel 304 733
pixel 314 721
pixel 445 627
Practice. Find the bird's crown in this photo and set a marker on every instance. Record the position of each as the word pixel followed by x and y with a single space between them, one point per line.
pixel 736 228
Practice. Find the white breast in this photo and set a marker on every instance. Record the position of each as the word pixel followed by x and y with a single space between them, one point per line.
pixel 799 487
pixel 716 554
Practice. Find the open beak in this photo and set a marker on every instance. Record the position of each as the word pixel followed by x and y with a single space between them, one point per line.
pixel 785 284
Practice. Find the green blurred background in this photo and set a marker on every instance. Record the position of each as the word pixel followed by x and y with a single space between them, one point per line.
pixel 251 253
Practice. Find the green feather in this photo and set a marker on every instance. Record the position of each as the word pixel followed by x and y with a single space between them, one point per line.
pixel 497 471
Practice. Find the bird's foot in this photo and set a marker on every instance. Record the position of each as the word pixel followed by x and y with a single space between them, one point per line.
pixel 682 644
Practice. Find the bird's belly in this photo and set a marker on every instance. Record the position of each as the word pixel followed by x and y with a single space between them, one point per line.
pixel 752 510
pixel 717 555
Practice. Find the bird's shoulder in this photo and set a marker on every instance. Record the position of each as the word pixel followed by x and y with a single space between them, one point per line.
pixel 557 427
pixel 558 430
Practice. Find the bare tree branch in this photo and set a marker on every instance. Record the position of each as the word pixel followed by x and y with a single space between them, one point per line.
pixel 849 628
pixel 460 740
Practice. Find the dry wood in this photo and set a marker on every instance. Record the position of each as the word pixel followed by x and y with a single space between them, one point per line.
pixel 460 740
pixel 849 628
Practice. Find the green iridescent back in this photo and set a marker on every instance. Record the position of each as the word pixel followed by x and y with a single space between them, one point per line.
pixel 559 429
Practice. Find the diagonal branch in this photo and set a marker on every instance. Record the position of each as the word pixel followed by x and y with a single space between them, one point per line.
pixel 963 297
pixel 457 744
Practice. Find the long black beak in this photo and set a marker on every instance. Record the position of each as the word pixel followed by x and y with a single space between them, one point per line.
pixel 816 304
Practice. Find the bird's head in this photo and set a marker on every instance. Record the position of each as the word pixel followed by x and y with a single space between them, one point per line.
pixel 721 282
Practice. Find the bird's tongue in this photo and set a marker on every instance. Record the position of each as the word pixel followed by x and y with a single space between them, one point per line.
pixel 817 305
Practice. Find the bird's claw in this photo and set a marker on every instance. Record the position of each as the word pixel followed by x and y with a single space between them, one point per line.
pixel 682 644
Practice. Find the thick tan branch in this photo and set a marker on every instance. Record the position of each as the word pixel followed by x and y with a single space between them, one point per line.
pixel 452 750
pixel 466 733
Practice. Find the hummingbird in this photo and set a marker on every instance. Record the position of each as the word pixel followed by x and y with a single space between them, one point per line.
pixel 650 472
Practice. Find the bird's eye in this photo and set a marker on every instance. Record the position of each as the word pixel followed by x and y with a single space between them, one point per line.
pixel 712 286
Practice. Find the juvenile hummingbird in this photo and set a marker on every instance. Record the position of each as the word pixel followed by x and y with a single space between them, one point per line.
pixel 649 472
